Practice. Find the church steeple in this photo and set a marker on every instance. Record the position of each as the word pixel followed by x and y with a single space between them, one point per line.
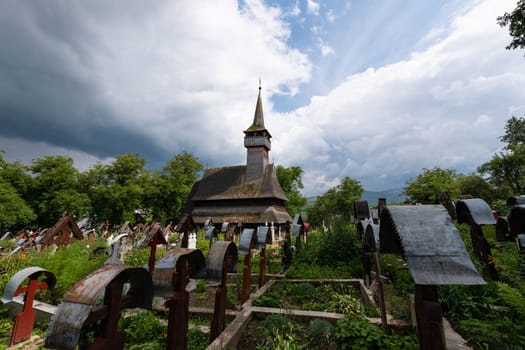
pixel 257 143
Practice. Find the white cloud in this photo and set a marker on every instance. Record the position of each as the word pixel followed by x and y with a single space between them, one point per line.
pixel 180 75
pixel 326 49
pixel 445 106
pixel 330 16
pixel 313 7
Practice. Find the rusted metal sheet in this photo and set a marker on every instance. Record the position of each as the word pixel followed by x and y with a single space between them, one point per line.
pixel 247 242
pixel 219 252
pixel 361 209
pixel 163 275
pixel 78 307
pixel 264 236
pixel 25 320
pixel 154 235
pixel 171 278
pixel 64 232
pixel 222 258
pixel 430 242
pixel 184 227
pixel 474 210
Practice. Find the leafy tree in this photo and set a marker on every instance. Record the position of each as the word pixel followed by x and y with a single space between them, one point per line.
pixel 336 202
pixel 426 186
pixel 506 170
pixel 13 209
pixel 516 22
pixel 291 182
pixel 55 189
pixel 116 190
pixel 171 186
pixel 477 187
pixel 514 132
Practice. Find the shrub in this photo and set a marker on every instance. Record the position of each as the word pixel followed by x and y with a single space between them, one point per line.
pixel 304 291
pixel 144 329
pixel 345 304
pixel 269 299
pixel 360 334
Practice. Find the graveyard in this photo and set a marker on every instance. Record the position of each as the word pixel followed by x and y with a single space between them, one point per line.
pixel 396 277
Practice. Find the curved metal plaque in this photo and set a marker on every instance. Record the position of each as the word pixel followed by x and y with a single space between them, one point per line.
pixel 264 236
pixel 430 242
pixel 218 257
pixel 163 274
pixel 65 326
pixel 20 276
pixel 474 210
pixel 247 238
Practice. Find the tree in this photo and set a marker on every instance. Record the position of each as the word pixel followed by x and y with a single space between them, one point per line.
pixel 291 182
pixel 171 187
pixel 477 187
pixel 516 22
pixel 514 132
pixel 430 183
pixel 55 190
pixel 336 202
pixel 13 208
pixel 506 170
pixel 117 190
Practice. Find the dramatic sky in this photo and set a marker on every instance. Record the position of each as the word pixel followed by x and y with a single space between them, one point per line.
pixel 375 90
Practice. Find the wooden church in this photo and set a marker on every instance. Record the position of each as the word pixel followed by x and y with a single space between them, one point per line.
pixel 245 195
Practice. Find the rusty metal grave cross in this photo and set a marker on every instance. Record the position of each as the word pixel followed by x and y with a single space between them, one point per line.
pixel 171 280
pixel 222 258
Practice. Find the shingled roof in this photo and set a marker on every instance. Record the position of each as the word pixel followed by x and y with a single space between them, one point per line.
pixel 229 183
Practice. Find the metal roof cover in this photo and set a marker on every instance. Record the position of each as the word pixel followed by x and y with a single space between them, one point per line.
pixel 476 209
pixel 217 256
pixel 430 242
pixel 263 236
pixel 163 274
pixel 247 236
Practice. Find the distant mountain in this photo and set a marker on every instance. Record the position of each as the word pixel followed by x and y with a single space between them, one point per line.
pixel 392 196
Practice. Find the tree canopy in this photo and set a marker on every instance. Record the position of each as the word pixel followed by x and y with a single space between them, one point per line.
pixel 336 202
pixel 516 22
pixel 39 194
pixel 426 186
pixel 291 182
pixel 506 170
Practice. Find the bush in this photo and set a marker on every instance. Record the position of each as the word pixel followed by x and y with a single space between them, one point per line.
pixel 360 334
pixel 144 331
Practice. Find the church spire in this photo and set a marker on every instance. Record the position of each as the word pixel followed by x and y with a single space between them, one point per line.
pixel 258 118
pixel 257 143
